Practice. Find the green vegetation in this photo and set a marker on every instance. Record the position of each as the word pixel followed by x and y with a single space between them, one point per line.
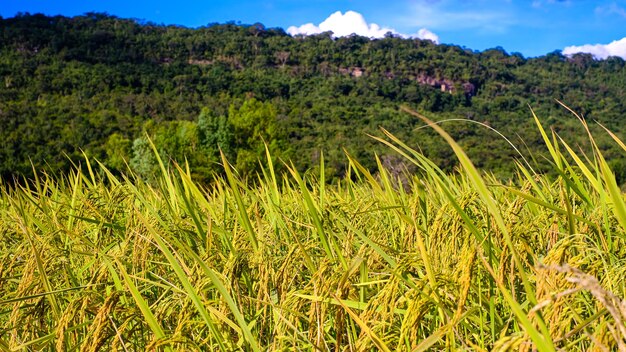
pixel 93 261
pixel 230 188
pixel 98 84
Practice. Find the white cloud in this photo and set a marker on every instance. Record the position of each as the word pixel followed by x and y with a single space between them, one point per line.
pixel 354 23
pixel 600 51
pixel 306 29
pixel 426 34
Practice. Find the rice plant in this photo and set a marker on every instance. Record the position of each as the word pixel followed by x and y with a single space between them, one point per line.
pixel 91 261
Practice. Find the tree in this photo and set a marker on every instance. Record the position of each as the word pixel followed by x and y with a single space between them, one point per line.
pixel 215 133
pixel 118 149
pixel 254 124
pixel 143 162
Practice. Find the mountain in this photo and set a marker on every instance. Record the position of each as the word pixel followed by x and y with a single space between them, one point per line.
pixel 102 85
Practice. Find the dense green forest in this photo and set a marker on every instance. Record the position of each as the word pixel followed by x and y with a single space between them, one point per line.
pixel 103 85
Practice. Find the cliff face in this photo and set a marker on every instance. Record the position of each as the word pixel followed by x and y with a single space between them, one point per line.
pixel 352 71
pixel 446 85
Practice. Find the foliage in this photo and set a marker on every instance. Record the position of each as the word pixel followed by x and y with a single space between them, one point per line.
pixel 454 261
pixel 67 85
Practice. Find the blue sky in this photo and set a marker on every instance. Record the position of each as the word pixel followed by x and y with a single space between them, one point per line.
pixel 531 27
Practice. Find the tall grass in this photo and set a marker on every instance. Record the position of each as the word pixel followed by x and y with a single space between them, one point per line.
pixel 98 262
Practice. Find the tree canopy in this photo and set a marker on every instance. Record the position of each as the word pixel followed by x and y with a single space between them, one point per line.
pixel 105 85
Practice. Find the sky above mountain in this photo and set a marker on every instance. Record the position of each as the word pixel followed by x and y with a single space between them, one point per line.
pixel 530 27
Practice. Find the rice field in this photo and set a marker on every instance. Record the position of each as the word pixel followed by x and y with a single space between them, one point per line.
pixel 90 261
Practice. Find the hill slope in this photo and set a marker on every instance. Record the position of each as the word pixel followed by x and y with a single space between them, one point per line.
pixel 97 82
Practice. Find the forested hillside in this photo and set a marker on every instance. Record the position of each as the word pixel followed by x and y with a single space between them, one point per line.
pixel 102 85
